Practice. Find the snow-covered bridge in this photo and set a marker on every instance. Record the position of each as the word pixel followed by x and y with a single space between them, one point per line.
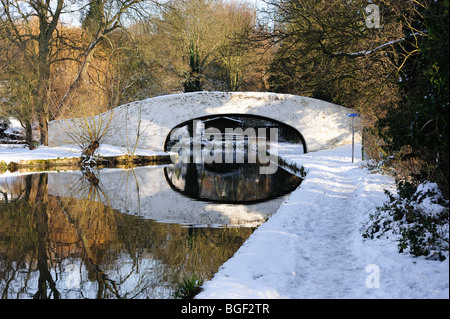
pixel 321 124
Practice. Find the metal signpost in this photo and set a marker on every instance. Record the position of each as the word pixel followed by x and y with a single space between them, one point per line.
pixel 353 115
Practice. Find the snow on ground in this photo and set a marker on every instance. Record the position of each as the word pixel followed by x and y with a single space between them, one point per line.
pixel 312 247
pixel 16 153
pixel 10 153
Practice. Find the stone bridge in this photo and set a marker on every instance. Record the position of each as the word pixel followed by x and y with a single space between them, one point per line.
pixel 321 124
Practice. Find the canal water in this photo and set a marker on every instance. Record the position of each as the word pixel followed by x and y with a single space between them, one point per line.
pixel 128 233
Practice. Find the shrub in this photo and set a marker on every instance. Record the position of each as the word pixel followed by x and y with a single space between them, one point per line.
pixel 418 217
pixel 3 167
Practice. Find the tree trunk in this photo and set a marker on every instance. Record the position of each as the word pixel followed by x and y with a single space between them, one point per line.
pixel 47 27
pixel 29 135
pixel 42 106
pixel 42 101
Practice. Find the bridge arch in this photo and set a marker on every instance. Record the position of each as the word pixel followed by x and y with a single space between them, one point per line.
pixel 236 115
pixel 321 124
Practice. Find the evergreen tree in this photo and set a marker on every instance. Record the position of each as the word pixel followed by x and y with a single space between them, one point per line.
pixel 193 81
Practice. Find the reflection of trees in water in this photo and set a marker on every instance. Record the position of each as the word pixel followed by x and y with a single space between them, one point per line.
pixel 95 227
pixel 42 229
pixel 11 189
pixel 24 224
pixel 118 255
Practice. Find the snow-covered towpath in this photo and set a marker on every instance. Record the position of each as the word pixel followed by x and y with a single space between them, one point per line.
pixel 312 247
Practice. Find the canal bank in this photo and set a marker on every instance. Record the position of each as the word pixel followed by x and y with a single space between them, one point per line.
pixel 17 158
pixel 313 247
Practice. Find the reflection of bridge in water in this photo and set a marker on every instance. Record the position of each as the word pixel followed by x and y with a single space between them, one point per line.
pixel 145 192
pixel 229 183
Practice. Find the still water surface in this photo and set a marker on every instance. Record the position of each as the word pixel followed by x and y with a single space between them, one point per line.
pixel 128 233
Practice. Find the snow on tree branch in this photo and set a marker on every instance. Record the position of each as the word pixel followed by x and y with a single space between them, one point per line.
pixel 381 47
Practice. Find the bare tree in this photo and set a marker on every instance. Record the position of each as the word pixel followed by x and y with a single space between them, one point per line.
pixel 195 42
pixel 100 19
pixel 17 19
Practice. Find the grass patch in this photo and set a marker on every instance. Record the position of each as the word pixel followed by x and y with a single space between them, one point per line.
pixel 188 288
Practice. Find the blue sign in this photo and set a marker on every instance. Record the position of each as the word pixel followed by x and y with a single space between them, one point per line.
pixel 352 114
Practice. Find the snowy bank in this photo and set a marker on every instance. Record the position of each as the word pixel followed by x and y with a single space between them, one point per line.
pixel 16 154
pixel 313 247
